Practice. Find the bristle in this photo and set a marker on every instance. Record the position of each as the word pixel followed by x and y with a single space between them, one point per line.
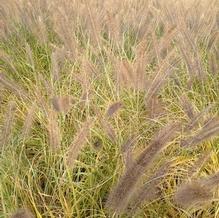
pixel 78 142
pixel 12 86
pixel 140 81
pixel 23 213
pixel 122 193
pixel 159 80
pixel 8 123
pixel 108 128
pixel 128 143
pixel 62 103
pixel 53 129
pixel 192 194
pixel 211 181
pixel 29 55
pixel 28 122
pixel 94 24
pixel 125 74
pixel 165 135
pixel 113 108
pixel 106 125
pixel 55 67
pixel 187 107
pixel 57 59
pixel 113 27
pixel 198 118
pixel 198 164
pixel 127 151
pixel 210 130
pixel 155 108
pixel 150 190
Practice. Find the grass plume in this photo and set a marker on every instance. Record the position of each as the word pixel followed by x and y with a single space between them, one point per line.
pixel 28 122
pixel 209 130
pixel 8 123
pixel 62 103
pixel 119 197
pixel 23 213
pixel 113 108
pixel 78 142
pixel 54 133
pixel 192 194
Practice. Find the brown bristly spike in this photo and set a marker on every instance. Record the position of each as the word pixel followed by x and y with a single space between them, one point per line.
pixel 155 107
pixel 150 190
pixel 128 159
pixel 113 108
pixel 120 196
pixel 40 30
pixel 54 67
pixel 126 150
pixel 213 64
pixel 41 100
pixel 165 135
pixel 62 103
pixel 105 124
pixel 208 131
pixel 113 27
pixel 125 74
pixel 140 81
pixel 190 52
pixel 53 129
pixel 28 122
pixel 163 73
pixel 12 86
pixel 79 141
pixel 108 128
pixel 65 32
pixel 49 87
pixel 211 181
pixel 213 39
pixel 57 58
pixel 86 96
pixel 8 123
pixel 187 106
pixel 128 143
pixel 166 40
pixel 94 25
pixel 7 59
pixel 132 75
pixel 88 68
pixel 141 50
pixel 198 164
pixel 197 119
pixel 22 213
pixel 3 27
pixel 29 55
pixel 193 194
pixel 87 74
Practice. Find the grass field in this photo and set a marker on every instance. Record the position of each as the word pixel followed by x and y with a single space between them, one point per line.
pixel 109 108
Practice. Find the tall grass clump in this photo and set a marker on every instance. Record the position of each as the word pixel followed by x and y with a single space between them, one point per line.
pixel 109 108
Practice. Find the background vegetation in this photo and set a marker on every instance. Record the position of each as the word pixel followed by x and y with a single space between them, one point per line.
pixel 109 108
